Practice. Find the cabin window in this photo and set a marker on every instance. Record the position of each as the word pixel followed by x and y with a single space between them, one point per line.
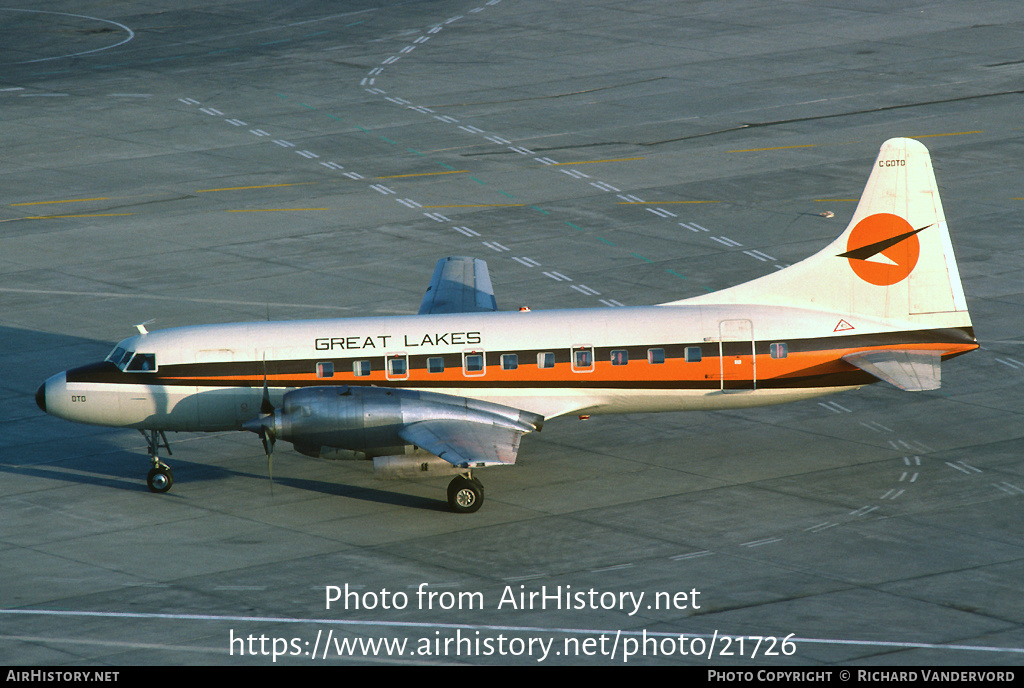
pixel 546 360
pixel 692 354
pixel 361 368
pixel 779 350
pixel 582 359
pixel 473 363
pixel 397 367
pixel 655 355
pixel 143 363
pixel 620 357
pixel 509 361
pixel 435 364
pixel 325 369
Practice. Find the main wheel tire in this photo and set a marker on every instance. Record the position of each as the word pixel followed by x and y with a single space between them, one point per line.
pixel 465 495
pixel 160 479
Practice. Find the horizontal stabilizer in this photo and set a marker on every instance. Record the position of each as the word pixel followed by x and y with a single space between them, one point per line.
pixel 465 444
pixel 911 371
pixel 459 285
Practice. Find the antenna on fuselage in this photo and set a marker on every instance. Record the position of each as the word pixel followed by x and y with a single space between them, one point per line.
pixel 141 327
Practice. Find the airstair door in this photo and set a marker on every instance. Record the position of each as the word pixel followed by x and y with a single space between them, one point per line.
pixel 737 363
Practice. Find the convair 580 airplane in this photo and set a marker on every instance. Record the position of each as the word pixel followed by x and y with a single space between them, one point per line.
pixel 455 387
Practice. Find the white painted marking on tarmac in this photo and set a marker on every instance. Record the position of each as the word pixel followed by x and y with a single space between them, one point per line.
pixel 131 34
pixel 467 231
pixel 760 543
pixel 820 527
pixel 963 467
pixel 726 241
pixel 584 289
pixel 528 262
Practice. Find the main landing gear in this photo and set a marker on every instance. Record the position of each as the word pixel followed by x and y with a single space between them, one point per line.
pixel 160 477
pixel 465 494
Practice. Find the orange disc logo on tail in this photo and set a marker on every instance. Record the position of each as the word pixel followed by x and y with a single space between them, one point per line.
pixel 883 249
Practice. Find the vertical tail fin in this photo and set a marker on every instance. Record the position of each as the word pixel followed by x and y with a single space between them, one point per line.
pixel 894 261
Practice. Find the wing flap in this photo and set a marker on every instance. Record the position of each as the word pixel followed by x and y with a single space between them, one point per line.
pixel 459 285
pixel 909 370
pixel 465 444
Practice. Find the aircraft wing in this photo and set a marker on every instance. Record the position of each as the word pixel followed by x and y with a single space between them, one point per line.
pixel 459 285
pixel 465 444
pixel 912 371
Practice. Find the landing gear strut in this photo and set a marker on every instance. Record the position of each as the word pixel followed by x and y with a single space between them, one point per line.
pixel 160 477
pixel 465 494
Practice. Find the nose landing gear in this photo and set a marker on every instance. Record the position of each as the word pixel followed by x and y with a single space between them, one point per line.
pixel 160 477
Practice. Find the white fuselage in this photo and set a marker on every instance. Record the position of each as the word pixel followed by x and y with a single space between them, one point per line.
pixel 622 360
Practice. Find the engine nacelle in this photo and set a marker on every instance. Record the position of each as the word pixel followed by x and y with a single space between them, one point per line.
pixel 319 420
pixel 416 465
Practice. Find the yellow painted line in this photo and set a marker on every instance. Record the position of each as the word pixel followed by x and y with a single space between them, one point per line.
pixel 758 150
pixel 70 200
pixel 594 162
pixel 50 217
pixel 422 174
pixel 958 133
pixel 663 202
pixel 272 210
pixel 480 205
pixel 263 186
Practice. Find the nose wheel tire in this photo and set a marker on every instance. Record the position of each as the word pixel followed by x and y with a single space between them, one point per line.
pixel 160 479
pixel 465 495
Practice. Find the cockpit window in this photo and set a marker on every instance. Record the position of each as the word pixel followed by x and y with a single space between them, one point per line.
pixel 129 360
pixel 142 363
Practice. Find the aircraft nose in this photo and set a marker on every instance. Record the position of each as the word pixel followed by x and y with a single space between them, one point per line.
pixel 41 397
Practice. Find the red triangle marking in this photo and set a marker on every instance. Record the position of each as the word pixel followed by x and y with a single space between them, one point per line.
pixel 843 326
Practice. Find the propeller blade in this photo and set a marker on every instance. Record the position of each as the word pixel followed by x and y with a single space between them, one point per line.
pixel 265 405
